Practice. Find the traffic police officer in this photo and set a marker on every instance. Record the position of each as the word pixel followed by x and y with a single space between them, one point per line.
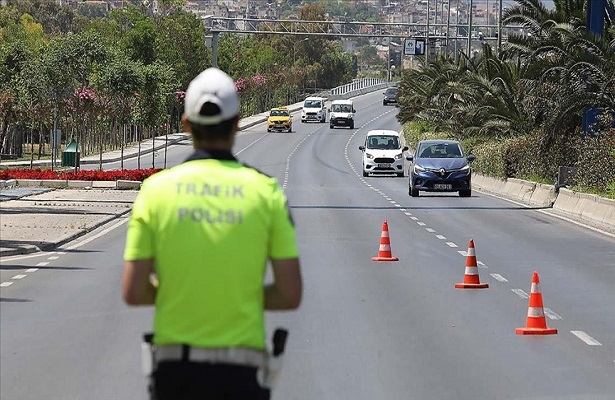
pixel 206 228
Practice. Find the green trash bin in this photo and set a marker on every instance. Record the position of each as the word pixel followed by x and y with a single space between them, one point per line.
pixel 70 155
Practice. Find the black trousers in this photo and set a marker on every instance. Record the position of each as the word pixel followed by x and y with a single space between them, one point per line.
pixel 183 380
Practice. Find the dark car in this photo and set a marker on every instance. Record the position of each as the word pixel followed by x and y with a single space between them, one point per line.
pixel 390 96
pixel 440 166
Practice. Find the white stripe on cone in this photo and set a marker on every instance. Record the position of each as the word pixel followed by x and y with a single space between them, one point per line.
pixel 385 234
pixel 535 288
pixel 385 247
pixel 535 312
pixel 471 251
pixel 471 271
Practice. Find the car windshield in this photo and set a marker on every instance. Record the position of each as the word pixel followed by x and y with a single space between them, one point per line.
pixel 312 104
pixel 391 92
pixel 341 108
pixel 278 113
pixel 440 150
pixel 383 142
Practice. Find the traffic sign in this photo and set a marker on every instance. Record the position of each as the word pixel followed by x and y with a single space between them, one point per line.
pixel 414 47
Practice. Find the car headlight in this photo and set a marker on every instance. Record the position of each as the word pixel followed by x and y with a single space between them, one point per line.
pixel 418 168
pixel 465 168
pixel 398 156
pixel 370 156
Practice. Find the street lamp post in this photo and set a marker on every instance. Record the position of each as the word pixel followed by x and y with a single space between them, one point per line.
pixel 295 50
pixel 390 60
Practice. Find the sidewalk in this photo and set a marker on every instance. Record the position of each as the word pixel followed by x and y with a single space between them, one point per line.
pixel 147 146
pixel 42 219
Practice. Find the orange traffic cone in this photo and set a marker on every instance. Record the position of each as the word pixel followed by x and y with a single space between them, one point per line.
pixel 471 279
pixel 536 323
pixel 384 253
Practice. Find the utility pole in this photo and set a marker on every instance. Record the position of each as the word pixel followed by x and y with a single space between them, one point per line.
pixel 448 25
pixel 500 27
pixel 427 35
pixel 470 29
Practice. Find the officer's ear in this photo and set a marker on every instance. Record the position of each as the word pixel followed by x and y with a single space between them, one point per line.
pixel 186 124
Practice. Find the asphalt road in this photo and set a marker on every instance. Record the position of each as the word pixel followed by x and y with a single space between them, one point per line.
pixel 365 330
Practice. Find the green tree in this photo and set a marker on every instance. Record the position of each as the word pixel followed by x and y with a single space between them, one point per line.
pixel 180 44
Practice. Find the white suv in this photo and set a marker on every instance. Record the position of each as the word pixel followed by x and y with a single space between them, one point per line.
pixel 382 153
pixel 314 109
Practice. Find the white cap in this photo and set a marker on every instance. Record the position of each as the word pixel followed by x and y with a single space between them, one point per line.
pixel 211 86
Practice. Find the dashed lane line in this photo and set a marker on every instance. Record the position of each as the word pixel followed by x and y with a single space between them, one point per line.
pixel 521 293
pixel 31 270
pixel 20 276
pixel 6 284
pixel 499 278
pixel 42 264
pixel 586 338
pixel 441 237
pixel 451 244
pixel 549 313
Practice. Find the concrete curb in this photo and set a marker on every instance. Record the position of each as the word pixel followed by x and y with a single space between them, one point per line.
pixel 527 192
pixel 582 207
pixel 27 249
pixel 72 184
pixel 588 207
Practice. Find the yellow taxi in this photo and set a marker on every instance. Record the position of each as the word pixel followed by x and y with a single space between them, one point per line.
pixel 279 120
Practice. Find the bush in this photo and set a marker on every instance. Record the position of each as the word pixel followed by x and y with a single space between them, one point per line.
pixel 415 131
pixel 489 159
pixel 596 163
pixel 82 175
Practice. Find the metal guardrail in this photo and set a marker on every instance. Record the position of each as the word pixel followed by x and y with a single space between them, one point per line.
pixel 358 87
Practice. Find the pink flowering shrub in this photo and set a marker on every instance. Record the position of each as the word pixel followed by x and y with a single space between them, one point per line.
pixel 81 175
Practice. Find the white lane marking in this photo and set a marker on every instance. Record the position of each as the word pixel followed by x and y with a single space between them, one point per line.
pixel 402 209
pixel 387 198
pixel 421 223
pixel 23 257
pixel 451 244
pixel 99 234
pixel 32 270
pixel 42 264
pixel 431 230
pixel 463 252
pixel 392 201
pixel 586 338
pixel 499 277
pixel 441 237
pixel 250 145
pixel 480 264
pixel 549 313
pixel 414 218
pixel 61 253
pixel 53 258
pixel 397 205
pixel 407 213
pixel 521 293
pixel 20 276
pixel 6 284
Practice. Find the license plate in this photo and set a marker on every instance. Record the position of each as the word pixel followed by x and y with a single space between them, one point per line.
pixel 384 165
pixel 442 186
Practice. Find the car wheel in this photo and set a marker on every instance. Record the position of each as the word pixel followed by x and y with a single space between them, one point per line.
pixel 465 193
pixel 414 192
pixel 352 125
pixel 330 126
pixel 365 172
pixel 400 174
